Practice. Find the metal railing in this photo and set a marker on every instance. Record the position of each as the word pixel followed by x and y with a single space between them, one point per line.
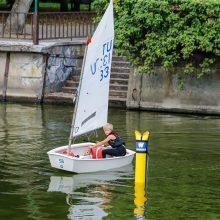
pixel 66 25
pixel 10 26
pixel 46 25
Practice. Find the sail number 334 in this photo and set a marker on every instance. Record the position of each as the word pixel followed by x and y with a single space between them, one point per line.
pixel 102 63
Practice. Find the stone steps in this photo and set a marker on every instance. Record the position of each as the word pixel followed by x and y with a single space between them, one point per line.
pixel 114 84
pixel 118 58
pixel 59 97
pixel 119 69
pixel 118 87
pixel 69 89
pixel 119 94
pixel 119 81
pixel 72 83
pixel 116 90
pixel 118 84
pixel 123 64
pixel 120 75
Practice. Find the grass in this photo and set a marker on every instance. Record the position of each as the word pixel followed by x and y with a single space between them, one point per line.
pixel 2 4
pixel 56 6
pixel 48 6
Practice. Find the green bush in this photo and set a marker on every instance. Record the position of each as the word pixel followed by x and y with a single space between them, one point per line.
pixel 167 32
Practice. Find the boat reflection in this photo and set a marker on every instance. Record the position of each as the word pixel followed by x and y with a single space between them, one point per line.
pixel 90 202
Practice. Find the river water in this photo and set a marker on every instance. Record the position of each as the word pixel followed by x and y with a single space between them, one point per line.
pixel 183 174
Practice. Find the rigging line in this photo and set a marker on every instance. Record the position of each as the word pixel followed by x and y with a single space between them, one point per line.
pixel 89 134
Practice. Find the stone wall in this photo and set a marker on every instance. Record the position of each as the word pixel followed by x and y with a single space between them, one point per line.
pixel 25 76
pixel 160 92
pixel 2 72
pixel 37 70
pixel 61 65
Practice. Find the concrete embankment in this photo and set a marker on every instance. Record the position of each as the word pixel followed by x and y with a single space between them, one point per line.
pixel 161 92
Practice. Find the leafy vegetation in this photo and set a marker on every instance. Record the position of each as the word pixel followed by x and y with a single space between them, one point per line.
pixel 3 3
pixel 167 32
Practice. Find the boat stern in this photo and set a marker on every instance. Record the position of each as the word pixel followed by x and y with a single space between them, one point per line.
pixel 60 161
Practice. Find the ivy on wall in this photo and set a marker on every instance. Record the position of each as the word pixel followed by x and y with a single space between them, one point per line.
pixel 167 32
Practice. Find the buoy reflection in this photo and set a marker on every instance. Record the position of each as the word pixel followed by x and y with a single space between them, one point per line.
pixel 140 200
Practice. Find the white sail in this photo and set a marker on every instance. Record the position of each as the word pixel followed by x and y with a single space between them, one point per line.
pixel 92 109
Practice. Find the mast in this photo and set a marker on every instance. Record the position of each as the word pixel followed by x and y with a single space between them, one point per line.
pixel 77 99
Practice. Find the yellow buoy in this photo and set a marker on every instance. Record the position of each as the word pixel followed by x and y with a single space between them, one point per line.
pixel 141 156
pixel 140 173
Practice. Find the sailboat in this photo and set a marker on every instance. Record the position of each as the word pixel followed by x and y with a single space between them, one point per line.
pixel 91 105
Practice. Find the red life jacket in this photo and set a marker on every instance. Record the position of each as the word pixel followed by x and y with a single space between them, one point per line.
pixel 96 152
pixel 116 136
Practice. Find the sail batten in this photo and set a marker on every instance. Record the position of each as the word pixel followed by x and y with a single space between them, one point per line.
pixel 92 108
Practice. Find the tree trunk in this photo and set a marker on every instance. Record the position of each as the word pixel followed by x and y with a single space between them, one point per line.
pixel 16 21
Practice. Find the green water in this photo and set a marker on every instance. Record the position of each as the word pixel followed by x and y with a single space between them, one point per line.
pixel 183 178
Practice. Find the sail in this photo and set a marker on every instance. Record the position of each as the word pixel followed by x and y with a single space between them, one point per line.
pixel 92 108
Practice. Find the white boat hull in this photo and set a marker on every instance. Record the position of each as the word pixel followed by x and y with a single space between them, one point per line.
pixel 84 165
